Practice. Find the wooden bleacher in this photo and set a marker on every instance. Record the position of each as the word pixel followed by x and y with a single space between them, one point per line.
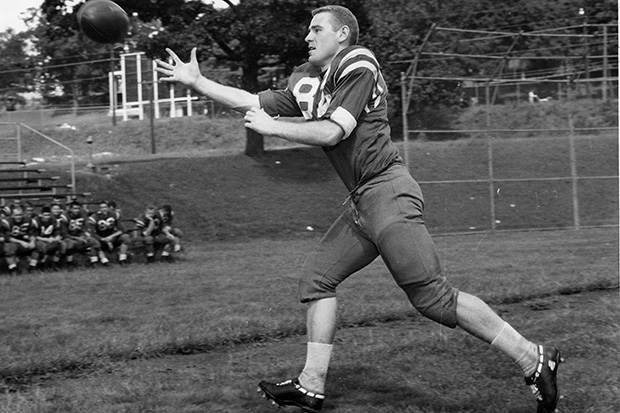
pixel 18 181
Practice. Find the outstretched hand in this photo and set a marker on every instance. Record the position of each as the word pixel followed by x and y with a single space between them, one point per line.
pixel 186 73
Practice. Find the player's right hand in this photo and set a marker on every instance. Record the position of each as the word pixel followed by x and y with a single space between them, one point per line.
pixel 186 73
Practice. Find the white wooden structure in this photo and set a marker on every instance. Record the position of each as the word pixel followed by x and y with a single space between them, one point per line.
pixel 136 86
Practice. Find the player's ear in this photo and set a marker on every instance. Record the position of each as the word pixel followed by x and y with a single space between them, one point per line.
pixel 343 34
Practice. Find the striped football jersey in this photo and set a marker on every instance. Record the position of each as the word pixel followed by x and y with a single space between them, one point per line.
pixel 351 93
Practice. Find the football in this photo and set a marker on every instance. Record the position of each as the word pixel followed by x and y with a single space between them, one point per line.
pixel 103 21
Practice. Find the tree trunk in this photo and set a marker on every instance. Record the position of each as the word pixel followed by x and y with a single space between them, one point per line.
pixel 254 144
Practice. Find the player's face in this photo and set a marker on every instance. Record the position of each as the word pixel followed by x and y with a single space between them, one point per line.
pixel 17 214
pixel 56 210
pixel 46 216
pixel 323 41
pixel 75 209
pixel 103 208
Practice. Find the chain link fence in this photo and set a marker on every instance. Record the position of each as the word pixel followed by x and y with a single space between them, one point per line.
pixel 555 179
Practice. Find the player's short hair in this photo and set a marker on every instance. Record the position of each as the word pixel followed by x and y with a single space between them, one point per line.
pixel 46 209
pixel 341 16
pixel 75 202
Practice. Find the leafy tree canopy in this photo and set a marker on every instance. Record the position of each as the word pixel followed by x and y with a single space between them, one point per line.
pixel 258 39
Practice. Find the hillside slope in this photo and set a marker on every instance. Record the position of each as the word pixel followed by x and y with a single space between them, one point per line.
pixel 295 192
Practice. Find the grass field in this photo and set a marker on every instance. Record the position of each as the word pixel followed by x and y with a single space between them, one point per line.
pixel 197 335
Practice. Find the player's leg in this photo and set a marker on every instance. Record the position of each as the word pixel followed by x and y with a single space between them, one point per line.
pixel 103 248
pixel 41 248
pixel 54 249
pixel 178 234
pixel 539 363
pixel 164 244
pixel 73 245
pixel 149 248
pixel 10 256
pixel 92 247
pixel 411 256
pixel 342 251
pixel 123 242
pixel 32 255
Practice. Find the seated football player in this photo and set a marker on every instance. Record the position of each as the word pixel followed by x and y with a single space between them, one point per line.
pixel 19 240
pixel 78 238
pixel 150 228
pixel 174 234
pixel 106 228
pixel 48 239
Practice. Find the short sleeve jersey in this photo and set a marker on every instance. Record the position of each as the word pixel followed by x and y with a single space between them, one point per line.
pixel 143 222
pixel 22 229
pixel 47 228
pixel 76 226
pixel 104 224
pixel 351 93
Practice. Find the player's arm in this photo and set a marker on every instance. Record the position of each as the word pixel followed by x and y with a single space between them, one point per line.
pixel 189 75
pixel 316 133
pixel 91 228
pixel 114 235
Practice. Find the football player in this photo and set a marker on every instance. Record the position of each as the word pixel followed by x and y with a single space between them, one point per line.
pixel 342 95
pixel 173 233
pixel 48 238
pixel 105 226
pixel 150 228
pixel 78 238
pixel 20 240
pixel 62 221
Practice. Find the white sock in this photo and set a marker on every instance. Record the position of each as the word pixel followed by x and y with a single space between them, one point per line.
pixel 315 371
pixel 517 347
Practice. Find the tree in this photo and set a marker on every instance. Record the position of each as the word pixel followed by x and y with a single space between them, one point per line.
pixel 261 37
pixel 398 27
pixel 69 61
pixel 15 73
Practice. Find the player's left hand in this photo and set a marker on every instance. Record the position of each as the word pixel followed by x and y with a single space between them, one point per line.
pixel 259 121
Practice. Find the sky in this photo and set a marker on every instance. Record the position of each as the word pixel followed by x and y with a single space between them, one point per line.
pixel 10 16
pixel 12 9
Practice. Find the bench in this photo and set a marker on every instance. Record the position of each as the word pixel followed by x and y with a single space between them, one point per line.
pixel 41 188
pixel 68 196
pixel 31 179
pixel 21 170
pixel 13 163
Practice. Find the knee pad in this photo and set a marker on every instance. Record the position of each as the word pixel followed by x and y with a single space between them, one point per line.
pixel 434 299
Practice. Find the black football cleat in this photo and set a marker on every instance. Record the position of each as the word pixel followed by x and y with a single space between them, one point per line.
pixel 291 393
pixel 544 381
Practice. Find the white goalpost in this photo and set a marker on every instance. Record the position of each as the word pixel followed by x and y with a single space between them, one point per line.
pixel 135 91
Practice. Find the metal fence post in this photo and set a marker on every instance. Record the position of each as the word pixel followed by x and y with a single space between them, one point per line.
pixel 573 171
pixel 404 108
pixel 491 180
